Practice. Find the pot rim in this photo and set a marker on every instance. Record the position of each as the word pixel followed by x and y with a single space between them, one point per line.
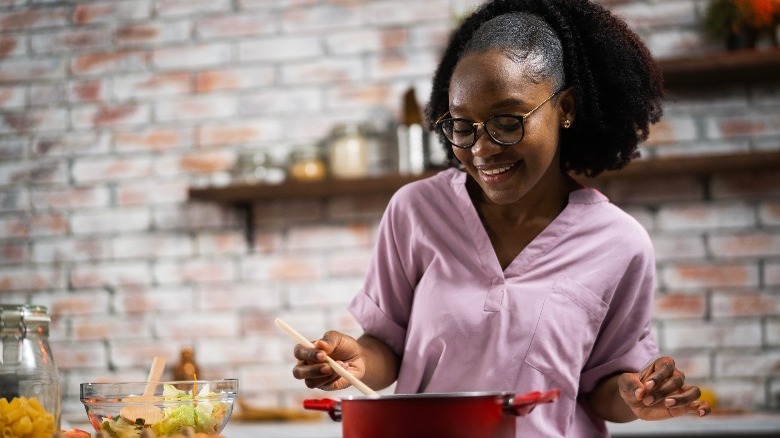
pixel 436 395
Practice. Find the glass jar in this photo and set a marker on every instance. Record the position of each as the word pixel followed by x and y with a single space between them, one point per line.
pixel 29 380
pixel 307 165
pixel 348 152
pixel 257 167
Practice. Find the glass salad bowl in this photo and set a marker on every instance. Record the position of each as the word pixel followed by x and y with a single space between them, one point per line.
pixel 124 410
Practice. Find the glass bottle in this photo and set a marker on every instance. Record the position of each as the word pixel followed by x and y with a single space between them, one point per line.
pixel 186 369
pixel 412 138
pixel 29 380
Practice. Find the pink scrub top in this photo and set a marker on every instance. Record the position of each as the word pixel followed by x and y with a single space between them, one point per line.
pixel 572 308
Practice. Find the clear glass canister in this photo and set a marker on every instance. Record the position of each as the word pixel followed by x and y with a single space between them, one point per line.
pixel 348 152
pixel 29 380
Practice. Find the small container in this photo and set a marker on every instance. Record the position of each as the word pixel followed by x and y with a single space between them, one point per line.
pixel 186 369
pixel 348 152
pixel 307 165
pixel 257 167
pixel 29 381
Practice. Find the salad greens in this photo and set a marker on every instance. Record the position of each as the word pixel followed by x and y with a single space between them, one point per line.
pixel 204 413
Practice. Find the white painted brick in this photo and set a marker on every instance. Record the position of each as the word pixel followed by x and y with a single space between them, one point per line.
pixel 395 65
pixel 31 279
pixel 772 274
pixel 12 97
pixel 194 271
pixel 323 294
pixel 192 57
pixel 153 246
pixel 328 17
pixel 93 116
pixel 140 85
pixel 191 327
pixel 251 350
pixel 42 120
pixel 677 247
pixel 76 249
pixel 220 243
pixel 281 101
pixel 713 335
pixel 79 355
pixel 269 378
pixel 322 71
pixel 70 144
pixel 746 364
pixel 149 299
pixel 196 108
pixel 706 216
pixel 177 8
pixel 110 274
pixel 111 221
pixel 327 237
pixel 87 170
pixel 282 48
pixel 239 297
pixel 399 12
pixel 194 216
pixel 45 198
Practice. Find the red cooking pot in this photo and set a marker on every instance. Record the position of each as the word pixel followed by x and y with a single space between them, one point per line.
pixel 451 415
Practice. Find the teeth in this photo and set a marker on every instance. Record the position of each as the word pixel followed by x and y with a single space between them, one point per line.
pixel 496 171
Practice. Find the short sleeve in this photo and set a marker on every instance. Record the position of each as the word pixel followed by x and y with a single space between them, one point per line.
pixel 625 341
pixel 384 303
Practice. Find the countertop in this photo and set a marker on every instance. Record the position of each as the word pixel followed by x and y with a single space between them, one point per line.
pixel 743 426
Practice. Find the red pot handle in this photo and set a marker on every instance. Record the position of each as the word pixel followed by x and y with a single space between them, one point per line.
pixel 332 407
pixel 522 405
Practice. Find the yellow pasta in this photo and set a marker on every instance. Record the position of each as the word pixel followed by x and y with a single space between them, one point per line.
pixel 25 417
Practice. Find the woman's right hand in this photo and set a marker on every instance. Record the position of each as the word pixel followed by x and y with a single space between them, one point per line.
pixel 313 368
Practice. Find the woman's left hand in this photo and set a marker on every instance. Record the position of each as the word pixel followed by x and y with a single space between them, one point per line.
pixel 659 392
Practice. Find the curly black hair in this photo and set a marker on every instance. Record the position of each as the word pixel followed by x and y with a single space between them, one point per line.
pixel 617 86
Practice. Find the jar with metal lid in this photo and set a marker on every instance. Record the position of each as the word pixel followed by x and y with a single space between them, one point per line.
pixel 29 380
pixel 306 164
pixel 348 152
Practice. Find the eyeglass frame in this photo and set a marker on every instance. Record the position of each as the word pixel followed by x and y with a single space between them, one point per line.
pixel 438 123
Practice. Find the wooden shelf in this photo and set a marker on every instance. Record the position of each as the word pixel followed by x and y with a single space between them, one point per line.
pixel 721 68
pixel 697 165
pixel 247 193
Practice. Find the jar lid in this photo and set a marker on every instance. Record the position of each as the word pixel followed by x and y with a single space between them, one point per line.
pixel 27 312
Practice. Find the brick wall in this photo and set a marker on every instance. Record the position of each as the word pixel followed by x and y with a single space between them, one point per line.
pixel 111 110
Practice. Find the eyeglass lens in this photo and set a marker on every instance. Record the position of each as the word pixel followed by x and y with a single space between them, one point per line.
pixel 504 129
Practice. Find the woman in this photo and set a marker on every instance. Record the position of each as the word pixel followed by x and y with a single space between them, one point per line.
pixel 505 273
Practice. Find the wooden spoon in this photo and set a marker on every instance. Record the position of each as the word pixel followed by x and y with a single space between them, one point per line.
pixel 150 414
pixel 362 387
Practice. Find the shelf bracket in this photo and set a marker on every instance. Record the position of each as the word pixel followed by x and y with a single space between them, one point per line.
pixel 249 224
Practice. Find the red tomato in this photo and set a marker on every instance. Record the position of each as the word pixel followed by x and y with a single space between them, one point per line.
pixel 75 433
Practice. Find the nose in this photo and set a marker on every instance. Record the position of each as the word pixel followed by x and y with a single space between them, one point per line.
pixel 485 145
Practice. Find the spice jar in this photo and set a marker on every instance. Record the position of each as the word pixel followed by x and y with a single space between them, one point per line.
pixel 257 167
pixel 29 380
pixel 348 152
pixel 307 165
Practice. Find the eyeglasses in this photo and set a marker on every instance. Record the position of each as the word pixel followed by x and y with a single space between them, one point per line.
pixel 504 129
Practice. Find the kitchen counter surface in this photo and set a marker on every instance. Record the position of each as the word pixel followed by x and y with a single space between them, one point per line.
pixel 743 426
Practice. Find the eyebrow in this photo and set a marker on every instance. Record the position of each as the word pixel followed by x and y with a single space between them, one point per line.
pixel 511 101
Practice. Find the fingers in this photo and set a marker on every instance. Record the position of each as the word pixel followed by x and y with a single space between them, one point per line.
pixel 657 373
pixel 631 387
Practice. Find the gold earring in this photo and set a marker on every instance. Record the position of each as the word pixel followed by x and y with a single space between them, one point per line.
pixel 566 124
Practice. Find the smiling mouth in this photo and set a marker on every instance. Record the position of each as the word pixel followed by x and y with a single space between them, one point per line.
pixel 497 170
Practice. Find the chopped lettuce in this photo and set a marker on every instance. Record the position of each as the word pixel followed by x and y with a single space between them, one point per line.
pixel 204 414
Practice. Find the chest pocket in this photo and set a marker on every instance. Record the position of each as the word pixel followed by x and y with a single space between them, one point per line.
pixel 568 324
